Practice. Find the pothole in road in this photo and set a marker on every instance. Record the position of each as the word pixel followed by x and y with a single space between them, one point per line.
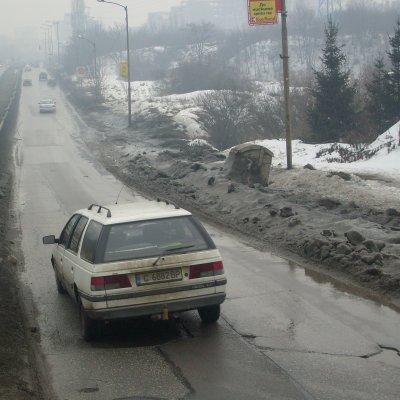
pixel 388 355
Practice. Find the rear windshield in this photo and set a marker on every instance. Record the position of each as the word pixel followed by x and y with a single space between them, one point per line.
pixel 143 239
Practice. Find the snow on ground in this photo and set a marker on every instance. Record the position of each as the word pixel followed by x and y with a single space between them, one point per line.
pixel 385 162
pixel 181 108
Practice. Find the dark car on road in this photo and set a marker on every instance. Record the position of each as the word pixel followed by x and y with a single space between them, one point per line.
pixel 43 76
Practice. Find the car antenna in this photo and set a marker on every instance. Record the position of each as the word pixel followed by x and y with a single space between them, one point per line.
pixel 116 201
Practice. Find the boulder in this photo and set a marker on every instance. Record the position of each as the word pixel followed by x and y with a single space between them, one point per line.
pixel 211 181
pixel 354 237
pixel 286 212
pixel 392 212
pixel 273 212
pixel 343 248
pixel 293 222
pixel 325 252
pixel 329 203
pixel 309 166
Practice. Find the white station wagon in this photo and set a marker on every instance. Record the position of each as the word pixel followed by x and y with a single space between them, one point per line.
pixel 138 259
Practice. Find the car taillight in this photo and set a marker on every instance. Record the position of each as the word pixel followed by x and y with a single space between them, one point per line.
pixel 204 270
pixel 110 282
pixel 97 283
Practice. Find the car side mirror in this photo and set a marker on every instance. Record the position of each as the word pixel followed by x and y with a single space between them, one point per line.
pixel 51 239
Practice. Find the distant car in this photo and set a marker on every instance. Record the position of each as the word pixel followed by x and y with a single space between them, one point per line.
pixel 43 76
pixel 52 82
pixel 27 82
pixel 133 260
pixel 47 106
pixel 28 68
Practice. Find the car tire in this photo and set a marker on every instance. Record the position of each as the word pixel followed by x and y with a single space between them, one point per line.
pixel 209 314
pixel 89 327
pixel 60 287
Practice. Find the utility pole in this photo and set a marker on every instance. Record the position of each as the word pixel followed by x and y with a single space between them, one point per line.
pixel 57 23
pixel 129 69
pixel 286 87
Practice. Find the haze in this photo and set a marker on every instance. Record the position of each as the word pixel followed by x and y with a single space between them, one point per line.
pixel 19 15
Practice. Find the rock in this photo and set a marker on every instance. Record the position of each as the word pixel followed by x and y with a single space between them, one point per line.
pixel 329 203
pixel 293 222
pixel 343 248
pixel 370 246
pixel 273 212
pixel 286 212
pixel 373 271
pixel 12 260
pixel 246 220
pixel 231 187
pixel 328 233
pixel 325 252
pixel 255 220
pixel 312 248
pixel 354 237
pixel 263 189
pixel 196 167
pixel 374 245
pixel 211 181
pixel 392 212
pixel 309 166
pixel 344 175
pixel 372 258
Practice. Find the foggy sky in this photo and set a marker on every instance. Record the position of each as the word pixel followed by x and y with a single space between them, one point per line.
pixel 17 14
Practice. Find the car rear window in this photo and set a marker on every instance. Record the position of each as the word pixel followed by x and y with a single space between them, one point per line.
pixel 152 238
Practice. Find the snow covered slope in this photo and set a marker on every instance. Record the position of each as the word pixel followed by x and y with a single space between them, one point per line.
pixel 385 161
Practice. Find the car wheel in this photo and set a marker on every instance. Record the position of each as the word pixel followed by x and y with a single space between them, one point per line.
pixel 60 287
pixel 89 327
pixel 210 314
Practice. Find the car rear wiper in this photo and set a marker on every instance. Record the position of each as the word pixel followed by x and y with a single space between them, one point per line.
pixel 166 251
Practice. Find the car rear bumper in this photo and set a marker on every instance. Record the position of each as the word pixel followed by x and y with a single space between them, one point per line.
pixel 139 310
pixel 47 110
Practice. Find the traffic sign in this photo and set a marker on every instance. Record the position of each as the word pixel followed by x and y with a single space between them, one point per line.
pixel 263 12
pixel 123 69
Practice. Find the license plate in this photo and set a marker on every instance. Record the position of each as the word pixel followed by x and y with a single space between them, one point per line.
pixel 168 275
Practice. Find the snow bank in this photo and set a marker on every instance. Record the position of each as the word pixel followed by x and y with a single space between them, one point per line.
pixel 385 161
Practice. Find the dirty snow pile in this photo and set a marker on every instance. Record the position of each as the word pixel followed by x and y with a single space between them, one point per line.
pixel 385 159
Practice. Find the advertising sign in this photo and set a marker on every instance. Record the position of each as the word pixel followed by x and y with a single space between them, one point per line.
pixel 123 69
pixel 263 12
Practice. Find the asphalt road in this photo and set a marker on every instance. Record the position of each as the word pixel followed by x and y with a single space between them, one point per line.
pixel 286 332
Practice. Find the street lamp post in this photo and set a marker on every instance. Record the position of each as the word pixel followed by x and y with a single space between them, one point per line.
pixel 93 44
pixel 127 55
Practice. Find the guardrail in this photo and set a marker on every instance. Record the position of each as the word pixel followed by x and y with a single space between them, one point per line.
pixel 14 99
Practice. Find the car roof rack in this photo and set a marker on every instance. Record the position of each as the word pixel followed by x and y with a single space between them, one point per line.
pixel 167 202
pixel 100 208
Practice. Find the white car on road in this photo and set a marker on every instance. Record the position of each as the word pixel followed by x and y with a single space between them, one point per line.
pixel 47 106
pixel 139 259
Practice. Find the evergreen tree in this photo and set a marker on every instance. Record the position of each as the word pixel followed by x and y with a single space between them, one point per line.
pixel 332 113
pixel 377 104
pixel 394 74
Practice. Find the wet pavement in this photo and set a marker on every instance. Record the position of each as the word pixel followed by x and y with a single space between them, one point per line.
pixel 286 332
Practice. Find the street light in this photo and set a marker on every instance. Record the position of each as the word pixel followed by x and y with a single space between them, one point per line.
pixel 95 59
pixel 128 58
